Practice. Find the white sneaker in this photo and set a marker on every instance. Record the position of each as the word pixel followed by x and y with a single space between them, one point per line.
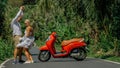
pixel 27 62
pixel 32 61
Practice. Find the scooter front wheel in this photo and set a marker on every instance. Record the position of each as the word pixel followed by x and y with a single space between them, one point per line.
pixel 44 56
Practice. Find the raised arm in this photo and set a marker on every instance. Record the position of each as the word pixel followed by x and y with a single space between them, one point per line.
pixel 16 17
pixel 20 13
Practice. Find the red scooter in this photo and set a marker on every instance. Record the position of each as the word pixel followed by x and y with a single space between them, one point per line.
pixel 75 50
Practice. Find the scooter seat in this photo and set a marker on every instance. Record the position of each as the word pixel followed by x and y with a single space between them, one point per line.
pixel 66 42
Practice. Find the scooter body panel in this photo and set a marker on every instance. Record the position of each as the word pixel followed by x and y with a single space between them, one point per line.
pixel 43 48
pixel 74 45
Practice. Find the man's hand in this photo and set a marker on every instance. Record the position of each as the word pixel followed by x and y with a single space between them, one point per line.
pixel 22 8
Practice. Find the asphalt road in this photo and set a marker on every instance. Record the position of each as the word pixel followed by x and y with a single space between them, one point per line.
pixel 62 63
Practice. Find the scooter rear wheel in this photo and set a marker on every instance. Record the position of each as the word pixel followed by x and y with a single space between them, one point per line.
pixel 82 54
pixel 44 56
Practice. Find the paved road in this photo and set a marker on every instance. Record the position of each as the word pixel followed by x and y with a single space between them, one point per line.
pixel 63 63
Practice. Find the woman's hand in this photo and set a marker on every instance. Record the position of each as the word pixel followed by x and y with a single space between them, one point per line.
pixel 22 8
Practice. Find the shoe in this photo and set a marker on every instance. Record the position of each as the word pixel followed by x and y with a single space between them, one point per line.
pixel 32 61
pixel 27 62
pixel 21 61
pixel 14 62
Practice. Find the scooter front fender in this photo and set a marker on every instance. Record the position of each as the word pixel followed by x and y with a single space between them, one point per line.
pixel 43 48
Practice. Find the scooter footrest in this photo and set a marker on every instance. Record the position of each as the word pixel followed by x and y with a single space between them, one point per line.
pixel 60 54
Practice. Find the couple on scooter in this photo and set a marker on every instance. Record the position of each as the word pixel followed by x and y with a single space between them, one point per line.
pixel 22 43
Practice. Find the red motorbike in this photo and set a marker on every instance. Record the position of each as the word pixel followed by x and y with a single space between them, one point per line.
pixel 76 50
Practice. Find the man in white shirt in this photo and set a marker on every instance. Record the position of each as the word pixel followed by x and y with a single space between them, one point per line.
pixel 17 33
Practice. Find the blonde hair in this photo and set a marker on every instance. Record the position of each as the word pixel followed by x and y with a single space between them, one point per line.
pixel 27 20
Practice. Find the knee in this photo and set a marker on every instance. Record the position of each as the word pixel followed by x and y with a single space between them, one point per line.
pixel 25 49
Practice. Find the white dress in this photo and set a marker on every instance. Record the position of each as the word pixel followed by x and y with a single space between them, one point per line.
pixel 26 42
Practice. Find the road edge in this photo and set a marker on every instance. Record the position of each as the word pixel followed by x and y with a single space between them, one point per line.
pixel 106 60
pixel 2 64
pixel 111 61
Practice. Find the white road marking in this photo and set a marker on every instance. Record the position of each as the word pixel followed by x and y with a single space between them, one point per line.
pixel 112 61
pixel 2 65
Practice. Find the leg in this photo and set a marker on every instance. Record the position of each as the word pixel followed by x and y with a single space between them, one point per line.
pixel 16 50
pixel 28 56
pixel 31 58
pixel 20 54
pixel 15 54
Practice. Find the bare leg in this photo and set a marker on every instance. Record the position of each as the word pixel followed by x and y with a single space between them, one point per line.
pixel 31 59
pixel 17 51
pixel 15 54
pixel 27 54
pixel 20 53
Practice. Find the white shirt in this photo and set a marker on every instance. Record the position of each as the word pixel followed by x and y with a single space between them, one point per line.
pixel 15 25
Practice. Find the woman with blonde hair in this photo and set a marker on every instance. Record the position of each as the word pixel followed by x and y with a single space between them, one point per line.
pixel 27 41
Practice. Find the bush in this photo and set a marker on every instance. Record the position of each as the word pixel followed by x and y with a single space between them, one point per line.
pixel 6 50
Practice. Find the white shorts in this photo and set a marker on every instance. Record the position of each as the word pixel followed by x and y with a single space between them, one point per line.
pixel 26 43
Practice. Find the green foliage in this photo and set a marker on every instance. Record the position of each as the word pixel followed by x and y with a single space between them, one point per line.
pixel 116 20
pixel 6 49
pixel 2 11
pixel 114 58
